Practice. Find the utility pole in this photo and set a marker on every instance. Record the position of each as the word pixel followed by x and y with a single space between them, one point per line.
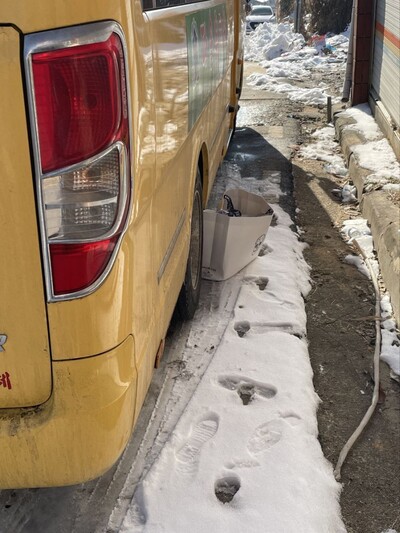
pixel 297 18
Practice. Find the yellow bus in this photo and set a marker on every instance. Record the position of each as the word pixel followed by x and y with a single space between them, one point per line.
pixel 115 115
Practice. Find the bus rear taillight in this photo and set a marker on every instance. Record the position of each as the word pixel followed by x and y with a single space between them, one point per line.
pixel 80 110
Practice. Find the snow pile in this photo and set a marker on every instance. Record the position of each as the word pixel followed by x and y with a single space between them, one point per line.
pixel 245 454
pixel 357 228
pixel 364 123
pixel 390 348
pixel 270 41
pixel 325 148
pixel 284 54
pixel 348 193
pixel 341 41
pixel 379 157
pixel 309 96
pixel 376 154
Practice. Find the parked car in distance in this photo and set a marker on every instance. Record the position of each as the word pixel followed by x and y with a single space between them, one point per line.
pixel 259 15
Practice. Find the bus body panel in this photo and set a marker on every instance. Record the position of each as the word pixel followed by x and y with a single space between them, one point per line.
pixel 103 345
pixel 178 149
pixel 125 303
pixel 80 432
pixel 31 16
pixel 25 367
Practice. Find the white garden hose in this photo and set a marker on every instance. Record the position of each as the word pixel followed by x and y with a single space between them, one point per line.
pixel 346 448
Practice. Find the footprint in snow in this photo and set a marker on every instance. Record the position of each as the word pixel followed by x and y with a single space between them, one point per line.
pixel 188 455
pixel 257 328
pixel 226 487
pixel 260 281
pixel 265 436
pixel 247 388
pixel 264 250
pixel 242 328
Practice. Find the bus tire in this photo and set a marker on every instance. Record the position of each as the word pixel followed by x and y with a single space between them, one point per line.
pixel 190 292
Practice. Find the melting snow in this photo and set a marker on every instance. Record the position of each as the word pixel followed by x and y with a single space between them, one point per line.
pixel 357 228
pixel 284 54
pixel 245 454
pixel 376 154
pixel 326 148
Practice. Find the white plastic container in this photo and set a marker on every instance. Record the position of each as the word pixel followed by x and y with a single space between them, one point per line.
pixel 232 242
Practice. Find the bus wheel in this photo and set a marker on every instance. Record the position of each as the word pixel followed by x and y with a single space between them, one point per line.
pixel 190 292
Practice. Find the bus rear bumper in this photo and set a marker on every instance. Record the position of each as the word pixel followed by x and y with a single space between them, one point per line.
pixel 80 432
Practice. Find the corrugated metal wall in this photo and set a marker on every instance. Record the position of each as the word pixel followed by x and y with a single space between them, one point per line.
pixel 386 59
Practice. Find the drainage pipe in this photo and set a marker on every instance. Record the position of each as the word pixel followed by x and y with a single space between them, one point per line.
pixel 348 80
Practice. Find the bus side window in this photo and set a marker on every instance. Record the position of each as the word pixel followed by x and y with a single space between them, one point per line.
pixel 148 4
pixel 157 4
pixel 169 3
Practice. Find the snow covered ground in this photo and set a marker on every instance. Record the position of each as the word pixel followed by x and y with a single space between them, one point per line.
pixel 244 455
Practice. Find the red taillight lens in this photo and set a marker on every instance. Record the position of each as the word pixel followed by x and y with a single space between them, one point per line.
pixel 79 103
pixel 81 117
pixel 75 266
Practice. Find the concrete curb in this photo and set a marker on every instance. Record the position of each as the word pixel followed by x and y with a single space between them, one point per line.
pixel 378 209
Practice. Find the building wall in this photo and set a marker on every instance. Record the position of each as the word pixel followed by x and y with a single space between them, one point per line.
pixel 385 80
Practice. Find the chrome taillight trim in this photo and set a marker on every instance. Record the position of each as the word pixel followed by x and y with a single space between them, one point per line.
pixel 123 157
pixel 54 40
pixel 48 41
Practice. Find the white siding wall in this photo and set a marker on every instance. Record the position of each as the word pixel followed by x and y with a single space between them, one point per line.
pixel 386 59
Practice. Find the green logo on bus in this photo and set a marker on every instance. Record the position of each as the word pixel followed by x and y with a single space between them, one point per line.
pixel 207 41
